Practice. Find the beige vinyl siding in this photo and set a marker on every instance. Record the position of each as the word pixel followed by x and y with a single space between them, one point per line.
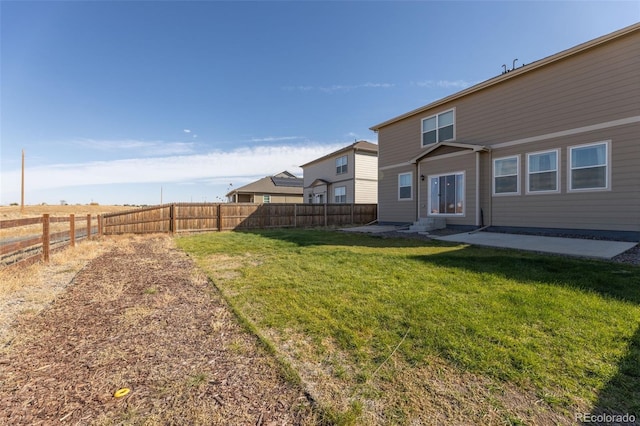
pixel 366 182
pixel 597 86
pixel 326 170
pixel 258 198
pixel 366 191
pixel 615 209
pixel 281 198
pixel 366 167
pixel 389 208
pixel 401 142
pixel 349 186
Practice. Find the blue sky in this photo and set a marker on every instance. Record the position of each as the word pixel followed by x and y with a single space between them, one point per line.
pixel 114 101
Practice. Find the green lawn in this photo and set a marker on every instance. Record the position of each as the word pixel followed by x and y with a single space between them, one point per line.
pixel 382 328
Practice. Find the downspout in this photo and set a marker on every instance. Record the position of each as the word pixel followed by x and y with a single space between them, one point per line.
pixel 478 188
pixel 418 189
pixel 491 190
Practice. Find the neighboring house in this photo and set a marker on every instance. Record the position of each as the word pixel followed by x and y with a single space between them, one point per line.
pixel 349 175
pixel 554 144
pixel 281 188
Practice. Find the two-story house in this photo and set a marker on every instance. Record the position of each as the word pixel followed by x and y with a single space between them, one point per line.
pixel 551 145
pixel 348 175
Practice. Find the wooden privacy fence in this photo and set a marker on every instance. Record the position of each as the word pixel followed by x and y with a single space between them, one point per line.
pixel 25 246
pixel 190 217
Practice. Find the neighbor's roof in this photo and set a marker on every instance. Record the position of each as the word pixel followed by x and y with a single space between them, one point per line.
pixel 282 183
pixel 359 146
pixel 517 72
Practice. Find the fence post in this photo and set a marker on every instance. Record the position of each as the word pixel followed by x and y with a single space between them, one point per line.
pixel 352 213
pixel 295 215
pixel 219 217
pixel 99 225
pixel 45 237
pixel 72 230
pixel 172 218
pixel 88 227
pixel 325 215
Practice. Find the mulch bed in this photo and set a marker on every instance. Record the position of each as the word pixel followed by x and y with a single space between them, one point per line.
pixel 141 317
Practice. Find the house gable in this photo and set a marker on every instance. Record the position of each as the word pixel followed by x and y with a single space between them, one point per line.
pixel 447 148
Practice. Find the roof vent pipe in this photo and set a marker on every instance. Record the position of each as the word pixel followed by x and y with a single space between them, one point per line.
pixel 514 64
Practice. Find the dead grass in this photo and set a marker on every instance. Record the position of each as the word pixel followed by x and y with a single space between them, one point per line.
pixel 13 212
pixel 28 290
pixel 80 212
pixel 141 317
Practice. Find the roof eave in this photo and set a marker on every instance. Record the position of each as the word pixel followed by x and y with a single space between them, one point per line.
pixel 471 147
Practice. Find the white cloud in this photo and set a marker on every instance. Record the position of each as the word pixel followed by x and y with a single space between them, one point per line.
pixel 187 131
pixel 446 84
pixel 456 84
pixel 277 138
pixel 216 166
pixel 340 87
pixel 146 148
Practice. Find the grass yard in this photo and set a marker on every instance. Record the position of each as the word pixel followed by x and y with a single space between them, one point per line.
pixel 395 331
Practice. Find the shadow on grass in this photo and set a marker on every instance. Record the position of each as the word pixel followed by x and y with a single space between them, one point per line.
pixel 334 237
pixel 621 395
pixel 608 279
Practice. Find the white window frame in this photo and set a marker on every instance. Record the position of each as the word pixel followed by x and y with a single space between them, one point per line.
pixel 410 174
pixel 266 199
pixel 436 116
pixel 607 165
pixel 343 167
pixel 493 183
pixel 344 194
pixel 557 170
pixel 464 202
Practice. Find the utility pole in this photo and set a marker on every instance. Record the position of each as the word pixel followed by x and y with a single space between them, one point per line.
pixel 22 186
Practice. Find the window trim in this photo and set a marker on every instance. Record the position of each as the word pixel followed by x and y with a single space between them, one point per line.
pixel 266 199
pixel 607 165
pixel 464 190
pixel 343 168
pixel 493 174
pixel 343 195
pixel 412 185
pixel 422 132
pixel 528 190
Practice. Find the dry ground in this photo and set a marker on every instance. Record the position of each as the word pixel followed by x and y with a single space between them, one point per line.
pixel 138 316
pixel 80 212
pixel 13 212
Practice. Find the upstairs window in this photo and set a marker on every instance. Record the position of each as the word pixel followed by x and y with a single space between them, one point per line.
pixel 341 165
pixel 438 128
pixel 340 195
pixel 505 175
pixel 589 167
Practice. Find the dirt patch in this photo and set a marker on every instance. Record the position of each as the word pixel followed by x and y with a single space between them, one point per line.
pixel 141 317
